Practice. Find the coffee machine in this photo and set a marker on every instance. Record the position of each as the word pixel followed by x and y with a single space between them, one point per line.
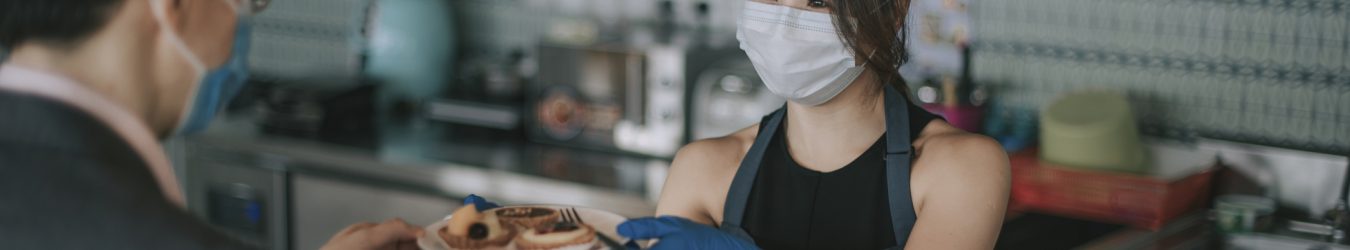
pixel 321 70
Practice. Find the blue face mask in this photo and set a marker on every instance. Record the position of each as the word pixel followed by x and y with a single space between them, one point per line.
pixel 214 87
pixel 218 86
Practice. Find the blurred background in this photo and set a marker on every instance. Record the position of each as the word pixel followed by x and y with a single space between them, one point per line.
pixel 1132 124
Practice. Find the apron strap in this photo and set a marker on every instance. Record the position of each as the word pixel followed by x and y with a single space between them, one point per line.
pixel 733 210
pixel 899 156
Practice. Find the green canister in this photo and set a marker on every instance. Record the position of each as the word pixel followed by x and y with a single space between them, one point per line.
pixel 1092 130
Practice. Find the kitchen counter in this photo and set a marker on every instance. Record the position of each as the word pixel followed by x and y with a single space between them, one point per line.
pixel 414 158
pixel 516 172
pixel 509 171
pixel 420 160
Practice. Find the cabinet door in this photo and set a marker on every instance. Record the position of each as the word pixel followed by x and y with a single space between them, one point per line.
pixel 230 192
pixel 323 206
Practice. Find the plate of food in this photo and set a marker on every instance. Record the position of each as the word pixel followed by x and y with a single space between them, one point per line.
pixel 524 227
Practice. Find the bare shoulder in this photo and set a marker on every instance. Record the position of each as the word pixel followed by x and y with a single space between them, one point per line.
pixel 949 157
pixel 717 153
pixel 956 147
pixel 697 183
pixel 960 186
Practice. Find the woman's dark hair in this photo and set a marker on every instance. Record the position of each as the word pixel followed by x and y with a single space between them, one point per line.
pixel 875 25
pixel 59 22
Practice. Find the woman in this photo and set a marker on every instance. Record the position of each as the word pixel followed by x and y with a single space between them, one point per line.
pixel 849 163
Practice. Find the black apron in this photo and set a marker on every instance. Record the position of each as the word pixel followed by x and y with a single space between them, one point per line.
pixel 899 154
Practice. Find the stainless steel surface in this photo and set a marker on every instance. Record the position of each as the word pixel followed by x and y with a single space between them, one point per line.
pixel 1268 241
pixel 477 114
pixel 207 171
pixel 1311 228
pixel 659 127
pixel 431 175
pixel 313 188
pixel 282 217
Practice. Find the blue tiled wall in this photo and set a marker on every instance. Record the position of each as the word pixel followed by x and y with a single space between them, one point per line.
pixel 1272 72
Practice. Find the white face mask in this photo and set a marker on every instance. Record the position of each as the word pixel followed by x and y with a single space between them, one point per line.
pixel 796 52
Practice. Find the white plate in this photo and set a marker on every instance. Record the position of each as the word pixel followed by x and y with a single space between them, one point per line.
pixel 604 222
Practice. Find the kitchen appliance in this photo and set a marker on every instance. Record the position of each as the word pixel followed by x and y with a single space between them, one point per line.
pixel 410 47
pixel 729 96
pixel 264 194
pixel 249 203
pixel 407 43
pixel 485 102
pixel 333 114
pixel 324 70
pixel 406 46
pixel 311 41
pixel 621 98
pixel 583 93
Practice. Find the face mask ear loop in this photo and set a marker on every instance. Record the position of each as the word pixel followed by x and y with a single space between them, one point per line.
pixel 161 15
pixel 157 7
pixel 869 58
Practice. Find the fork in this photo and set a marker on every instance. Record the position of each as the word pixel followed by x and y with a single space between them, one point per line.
pixel 570 215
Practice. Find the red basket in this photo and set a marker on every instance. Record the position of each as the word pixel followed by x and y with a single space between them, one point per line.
pixel 1136 200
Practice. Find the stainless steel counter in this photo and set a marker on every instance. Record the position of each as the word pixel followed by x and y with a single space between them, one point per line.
pixel 631 198
pixel 411 173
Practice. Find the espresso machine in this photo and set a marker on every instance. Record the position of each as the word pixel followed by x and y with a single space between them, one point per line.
pixel 327 71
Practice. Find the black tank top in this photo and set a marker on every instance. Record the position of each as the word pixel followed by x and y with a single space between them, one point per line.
pixel 792 207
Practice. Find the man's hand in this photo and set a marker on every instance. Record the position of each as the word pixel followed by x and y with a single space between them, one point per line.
pixel 392 234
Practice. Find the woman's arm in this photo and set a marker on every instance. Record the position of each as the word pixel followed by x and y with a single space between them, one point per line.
pixel 964 193
pixel 680 196
pixel 700 175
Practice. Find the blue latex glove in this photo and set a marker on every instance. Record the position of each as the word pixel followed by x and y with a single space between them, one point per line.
pixel 479 202
pixel 679 233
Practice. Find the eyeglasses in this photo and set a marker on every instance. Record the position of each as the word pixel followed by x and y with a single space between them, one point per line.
pixel 252 6
pixel 259 5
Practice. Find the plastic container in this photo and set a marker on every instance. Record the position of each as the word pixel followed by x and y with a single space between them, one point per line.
pixel 1237 213
pixel 1111 197
pixel 1092 130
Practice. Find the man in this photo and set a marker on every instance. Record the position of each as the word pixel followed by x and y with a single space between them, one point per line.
pixel 87 92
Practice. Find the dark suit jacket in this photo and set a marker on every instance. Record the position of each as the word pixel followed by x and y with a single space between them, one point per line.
pixel 67 181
